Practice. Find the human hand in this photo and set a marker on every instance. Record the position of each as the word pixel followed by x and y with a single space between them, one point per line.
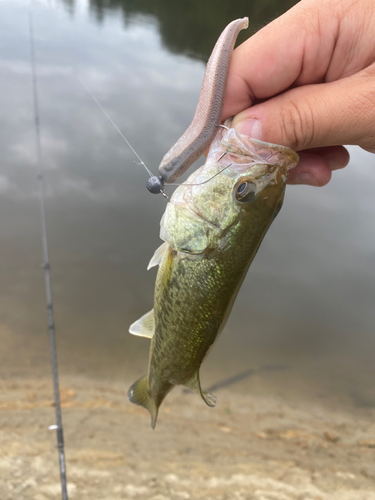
pixel 307 81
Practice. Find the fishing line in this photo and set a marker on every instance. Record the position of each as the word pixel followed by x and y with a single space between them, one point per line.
pixel 210 179
pixel 47 270
pixel 116 127
pixel 151 176
pixel 155 183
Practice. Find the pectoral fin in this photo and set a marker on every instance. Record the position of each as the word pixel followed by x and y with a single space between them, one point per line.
pixel 145 326
pixel 158 255
pixel 195 385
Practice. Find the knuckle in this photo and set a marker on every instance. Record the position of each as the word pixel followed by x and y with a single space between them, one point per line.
pixel 361 106
pixel 297 125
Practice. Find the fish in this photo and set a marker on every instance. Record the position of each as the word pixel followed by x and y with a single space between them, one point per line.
pixel 212 228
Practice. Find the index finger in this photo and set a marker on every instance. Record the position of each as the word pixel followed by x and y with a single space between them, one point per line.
pixel 294 49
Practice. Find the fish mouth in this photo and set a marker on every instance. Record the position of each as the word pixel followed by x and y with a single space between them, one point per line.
pixel 248 150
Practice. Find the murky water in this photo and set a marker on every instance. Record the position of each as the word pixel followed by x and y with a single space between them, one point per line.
pixel 303 324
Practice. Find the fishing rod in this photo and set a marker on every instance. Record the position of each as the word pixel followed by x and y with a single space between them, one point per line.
pixel 47 271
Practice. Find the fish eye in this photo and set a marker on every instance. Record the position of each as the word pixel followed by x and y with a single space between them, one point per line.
pixel 246 191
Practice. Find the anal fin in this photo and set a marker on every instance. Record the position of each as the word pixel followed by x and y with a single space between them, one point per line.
pixel 195 385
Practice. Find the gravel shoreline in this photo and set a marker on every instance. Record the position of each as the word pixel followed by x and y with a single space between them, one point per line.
pixel 246 448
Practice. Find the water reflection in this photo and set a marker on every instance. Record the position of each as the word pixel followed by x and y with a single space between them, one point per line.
pixel 307 302
pixel 189 28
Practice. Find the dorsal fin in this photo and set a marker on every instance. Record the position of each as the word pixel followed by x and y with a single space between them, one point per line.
pixel 145 326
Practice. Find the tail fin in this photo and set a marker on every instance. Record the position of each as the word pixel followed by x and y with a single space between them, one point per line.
pixel 139 395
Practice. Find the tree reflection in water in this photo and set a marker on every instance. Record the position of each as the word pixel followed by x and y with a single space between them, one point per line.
pixel 190 27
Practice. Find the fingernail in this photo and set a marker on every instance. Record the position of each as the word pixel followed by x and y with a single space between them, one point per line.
pixel 305 178
pixel 251 127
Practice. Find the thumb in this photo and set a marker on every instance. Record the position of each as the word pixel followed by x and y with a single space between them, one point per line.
pixel 313 116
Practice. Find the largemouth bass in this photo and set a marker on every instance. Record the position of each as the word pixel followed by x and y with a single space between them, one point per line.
pixel 212 228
